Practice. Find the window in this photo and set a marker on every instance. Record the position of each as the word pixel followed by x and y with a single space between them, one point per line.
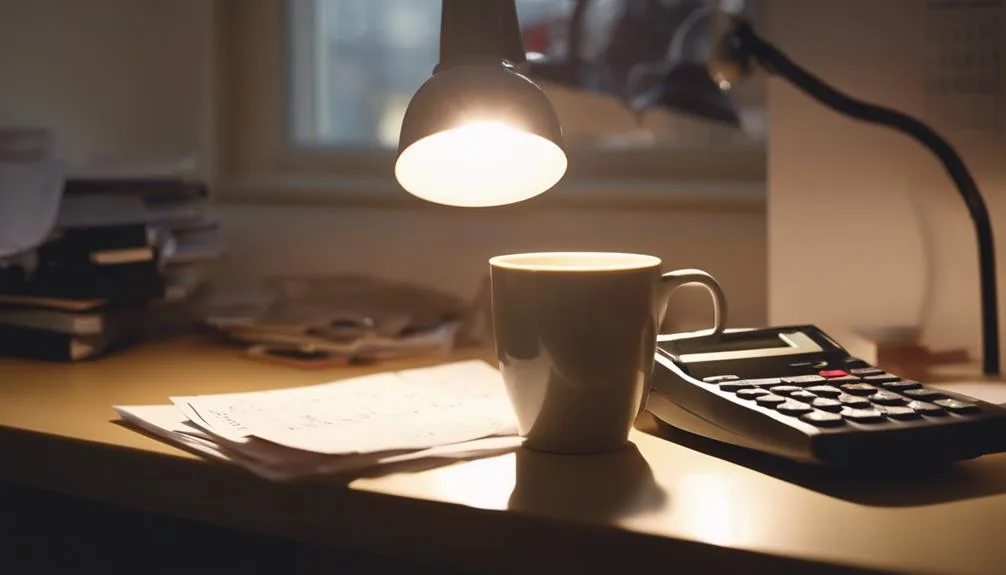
pixel 358 63
pixel 319 88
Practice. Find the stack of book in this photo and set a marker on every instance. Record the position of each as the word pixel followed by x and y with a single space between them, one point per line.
pixel 121 249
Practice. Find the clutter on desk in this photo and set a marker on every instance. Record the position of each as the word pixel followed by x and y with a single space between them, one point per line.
pixel 449 411
pixel 900 349
pixel 321 321
pixel 94 261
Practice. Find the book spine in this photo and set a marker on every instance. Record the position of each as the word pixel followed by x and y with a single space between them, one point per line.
pixel 123 282
pixel 78 240
pixel 154 189
pixel 16 341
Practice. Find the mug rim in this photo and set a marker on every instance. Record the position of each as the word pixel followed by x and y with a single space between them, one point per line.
pixel 617 261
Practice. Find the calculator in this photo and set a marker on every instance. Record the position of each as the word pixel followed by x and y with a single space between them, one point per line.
pixel 794 392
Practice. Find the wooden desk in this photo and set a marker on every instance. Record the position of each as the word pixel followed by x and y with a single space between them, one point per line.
pixel 659 504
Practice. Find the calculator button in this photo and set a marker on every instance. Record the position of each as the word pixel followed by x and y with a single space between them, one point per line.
pixel 859 389
pixel 803 395
pixel 829 373
pixel 765 381
pixel 899 412
pixel 854 401
pixel 887 398
pixel 862 415
pixel 901 385
pixel 844 379
pixel 926 408
pixel 825 390
pixel 734 386
pixel 822 418
pixel 785 389
pixel 880 378
pixel 752 392
pixel 957 406
pixel 827 404
pixel 720 378
pixel 794 408
pixel 770 400
pixel 804 379
pixel 866 371
pixel 924 394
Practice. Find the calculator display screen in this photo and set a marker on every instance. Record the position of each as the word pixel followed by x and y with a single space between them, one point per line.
pixel 741 344
pixel 729 343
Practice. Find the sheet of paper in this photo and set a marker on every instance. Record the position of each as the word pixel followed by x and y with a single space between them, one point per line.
pixel 406 410
pixel 169 423
pixel 220 427
pixel 237 438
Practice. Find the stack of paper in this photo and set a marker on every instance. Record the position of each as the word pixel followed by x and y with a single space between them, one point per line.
pixel 453 410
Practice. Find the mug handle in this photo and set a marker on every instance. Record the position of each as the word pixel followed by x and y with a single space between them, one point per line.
pixel 671 281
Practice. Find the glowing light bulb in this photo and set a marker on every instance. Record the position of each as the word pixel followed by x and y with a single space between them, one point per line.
pixel 480 164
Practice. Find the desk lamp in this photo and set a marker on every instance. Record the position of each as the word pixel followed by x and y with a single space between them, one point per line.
pixel 733 50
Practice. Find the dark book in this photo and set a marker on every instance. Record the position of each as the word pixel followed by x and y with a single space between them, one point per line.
pixel 152 190
pixel 123 236
pixel 111 322
pixel 24 342
pixel 128 282
pixel 12 275
pixel 59 304
pixel 100 246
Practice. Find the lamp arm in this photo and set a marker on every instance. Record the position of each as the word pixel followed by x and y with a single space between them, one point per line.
pixel 747 44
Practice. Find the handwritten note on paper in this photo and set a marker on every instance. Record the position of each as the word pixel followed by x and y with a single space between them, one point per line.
pixel 412 409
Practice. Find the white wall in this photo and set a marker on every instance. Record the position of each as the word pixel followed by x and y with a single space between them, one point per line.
pixel 112 77
pixel 450 248
pixel 133 77
pixel 864 227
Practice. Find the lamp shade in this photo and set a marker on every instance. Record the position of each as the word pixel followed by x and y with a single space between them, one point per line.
pixel 478 132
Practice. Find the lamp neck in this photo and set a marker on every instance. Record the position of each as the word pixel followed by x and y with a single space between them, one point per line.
pixel 487 28
pixel 477 60
pixel 745 47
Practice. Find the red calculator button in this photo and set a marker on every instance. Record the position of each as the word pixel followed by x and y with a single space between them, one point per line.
pixel 832 373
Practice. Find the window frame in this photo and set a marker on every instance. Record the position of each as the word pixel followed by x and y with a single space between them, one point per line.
pixel 257 162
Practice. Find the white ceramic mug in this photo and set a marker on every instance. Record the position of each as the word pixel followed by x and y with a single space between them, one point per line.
pixel 576 334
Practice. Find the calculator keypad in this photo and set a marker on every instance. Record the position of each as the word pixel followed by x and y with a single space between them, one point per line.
pixel 831 398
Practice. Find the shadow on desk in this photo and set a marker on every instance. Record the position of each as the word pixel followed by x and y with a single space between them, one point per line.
pixel 901 487
pixel 603 486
